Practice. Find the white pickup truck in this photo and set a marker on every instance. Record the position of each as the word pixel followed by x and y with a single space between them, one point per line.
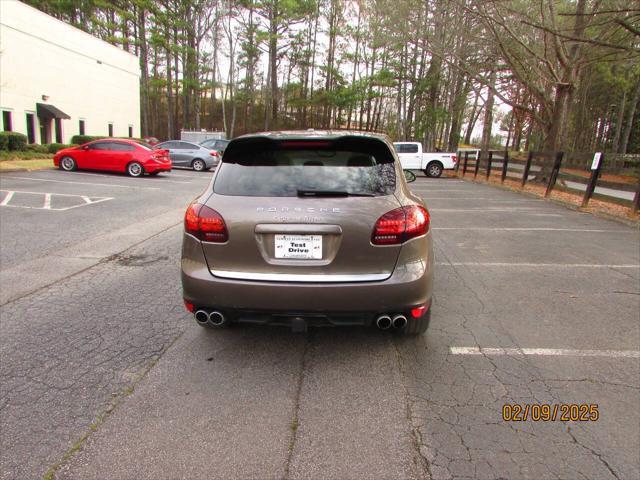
pixel 432 164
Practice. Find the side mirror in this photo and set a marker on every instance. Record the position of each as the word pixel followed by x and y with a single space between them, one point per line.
pixel 409 176
pixel 85 147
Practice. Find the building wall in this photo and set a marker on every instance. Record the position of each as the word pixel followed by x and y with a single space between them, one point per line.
pixel 81 75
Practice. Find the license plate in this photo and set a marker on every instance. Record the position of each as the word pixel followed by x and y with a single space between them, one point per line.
pixel 299 246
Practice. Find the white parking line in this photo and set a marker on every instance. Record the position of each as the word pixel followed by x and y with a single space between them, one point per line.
pixel 535 229
pixel 429 189
pixel 486 209
pixel 44 193
pixel 82 183
pixel 438 181
pixel 535 265
pixel 111 176
pixel 524 200
pixel 85 173
pixel 47 198
pixel 196 175
pixel 548 352
pixel 7 198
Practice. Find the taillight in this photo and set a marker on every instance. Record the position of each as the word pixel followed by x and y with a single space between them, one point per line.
pixel 455 159
pixel 213 153
pixel 189 306
pixel 418 311
pixel 400 225
pixel 205 224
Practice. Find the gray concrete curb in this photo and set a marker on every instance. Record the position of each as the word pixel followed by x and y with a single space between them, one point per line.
pixel 12 170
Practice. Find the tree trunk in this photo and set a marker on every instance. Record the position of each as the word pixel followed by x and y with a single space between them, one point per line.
pixel 433 76
pixel 267 103
pixel 556 128
pixel 214 72
pixel 473 117
pixel 176 69
pixel 170 111
pixel 328 85
pixel 459 98
pixel 250 70
pixel 356 62
pixel 144 73
pixel 313 59
pixel 553 133
pixel 527 141
pixel 273 61
pixel 630 116
pixel 487 123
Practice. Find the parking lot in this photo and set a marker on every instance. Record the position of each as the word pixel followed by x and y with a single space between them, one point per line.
pixel 104 374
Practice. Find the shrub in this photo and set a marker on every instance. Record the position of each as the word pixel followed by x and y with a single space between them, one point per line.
pixel 55 147
pixel 81 139
pixel 17 141
pixel 14 141
pixel 35 148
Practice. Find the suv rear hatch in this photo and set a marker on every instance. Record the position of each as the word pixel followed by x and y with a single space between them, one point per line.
pixel 303 210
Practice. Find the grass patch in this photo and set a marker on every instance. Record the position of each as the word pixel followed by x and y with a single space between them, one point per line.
pixel 36 164
pixel 294 430
pixel 23 155
pixel 93 427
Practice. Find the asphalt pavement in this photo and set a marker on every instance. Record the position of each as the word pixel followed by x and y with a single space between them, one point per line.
pixel 104 375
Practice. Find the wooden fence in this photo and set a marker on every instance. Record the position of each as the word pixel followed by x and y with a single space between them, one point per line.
pixel 572 172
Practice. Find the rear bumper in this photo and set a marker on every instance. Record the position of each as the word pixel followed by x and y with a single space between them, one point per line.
pixel 448 164
pixel 152 168
pixel 409 285
pixel 211 162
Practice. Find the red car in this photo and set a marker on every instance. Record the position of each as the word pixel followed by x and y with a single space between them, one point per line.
pixel 114 155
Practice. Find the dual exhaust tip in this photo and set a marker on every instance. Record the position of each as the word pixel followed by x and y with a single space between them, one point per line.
pixel 385 322
pixel 213 318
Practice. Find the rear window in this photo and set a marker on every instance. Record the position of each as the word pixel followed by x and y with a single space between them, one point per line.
pixel 121 147
pixel 406 148
pixel 268 168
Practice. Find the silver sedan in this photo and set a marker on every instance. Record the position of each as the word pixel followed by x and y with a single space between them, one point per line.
pixel 187 154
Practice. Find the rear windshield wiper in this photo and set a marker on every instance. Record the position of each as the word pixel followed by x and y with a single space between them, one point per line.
pixel 332 193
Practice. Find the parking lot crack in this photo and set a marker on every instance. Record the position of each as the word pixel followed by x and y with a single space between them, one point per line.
pixel 599 456
pixel 295 417
pixel 422 461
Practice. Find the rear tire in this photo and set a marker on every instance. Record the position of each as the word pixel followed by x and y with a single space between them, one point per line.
pixel 434 170
pixel 417 326
pixel 68 164
pixel 134 169
pixel 198 165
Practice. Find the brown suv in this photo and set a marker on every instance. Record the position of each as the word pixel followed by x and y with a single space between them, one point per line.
pixel 309 228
